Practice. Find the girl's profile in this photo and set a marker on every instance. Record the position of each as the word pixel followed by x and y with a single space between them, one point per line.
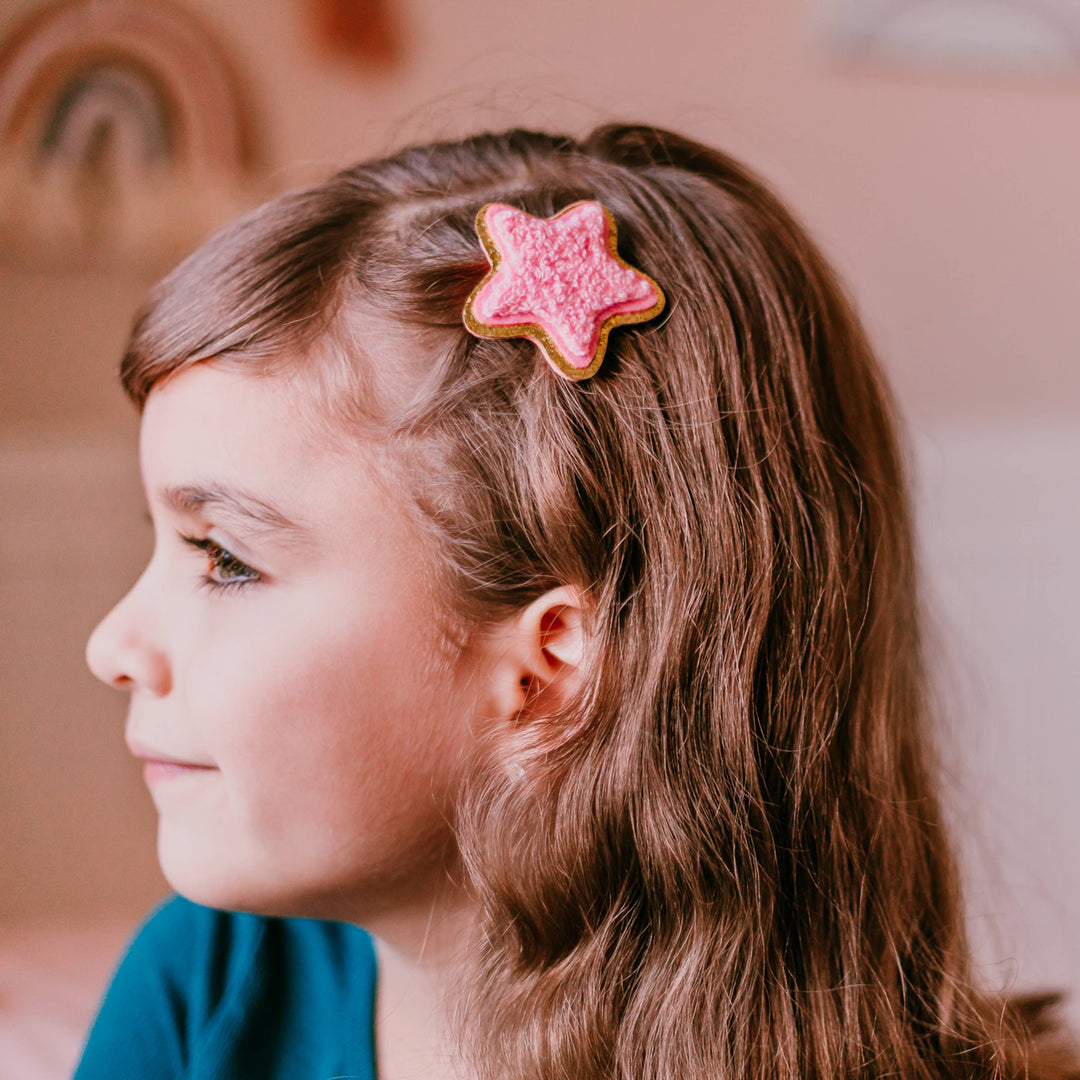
pixel 508 725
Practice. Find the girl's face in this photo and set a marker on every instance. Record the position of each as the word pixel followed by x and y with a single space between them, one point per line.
pixel 297 708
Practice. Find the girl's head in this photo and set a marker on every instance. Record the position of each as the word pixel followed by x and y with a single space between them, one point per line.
pixel 641 650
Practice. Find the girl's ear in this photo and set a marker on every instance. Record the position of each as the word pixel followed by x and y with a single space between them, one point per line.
pixel 540 652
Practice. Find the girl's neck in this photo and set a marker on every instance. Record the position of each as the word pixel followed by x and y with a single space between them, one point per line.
pixel 417 959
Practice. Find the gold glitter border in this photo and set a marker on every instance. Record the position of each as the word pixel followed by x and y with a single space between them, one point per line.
pixel 534 331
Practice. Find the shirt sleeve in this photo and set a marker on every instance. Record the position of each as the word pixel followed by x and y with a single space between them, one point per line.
pixel 160 997
pixel 203 994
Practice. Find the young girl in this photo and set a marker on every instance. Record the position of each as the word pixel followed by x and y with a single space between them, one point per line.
pixel 586 681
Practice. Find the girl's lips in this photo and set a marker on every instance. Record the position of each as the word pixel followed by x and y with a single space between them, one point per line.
pixel 158 766
pixel 157 771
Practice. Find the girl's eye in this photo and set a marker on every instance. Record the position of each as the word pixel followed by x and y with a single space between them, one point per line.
pixel 224 570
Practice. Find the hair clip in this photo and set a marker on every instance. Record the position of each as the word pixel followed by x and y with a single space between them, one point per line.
pixel 559 282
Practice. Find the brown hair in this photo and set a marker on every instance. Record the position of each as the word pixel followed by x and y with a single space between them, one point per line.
pixel 727 858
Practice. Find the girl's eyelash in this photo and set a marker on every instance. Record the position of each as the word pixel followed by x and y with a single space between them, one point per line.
pixel 225 570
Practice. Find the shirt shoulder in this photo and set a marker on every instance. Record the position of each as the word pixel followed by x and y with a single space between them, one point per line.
pixel 202 993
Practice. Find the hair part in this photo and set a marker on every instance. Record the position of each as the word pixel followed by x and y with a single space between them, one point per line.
pixel 727 856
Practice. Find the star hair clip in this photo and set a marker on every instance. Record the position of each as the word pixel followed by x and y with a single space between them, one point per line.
pixel 558 281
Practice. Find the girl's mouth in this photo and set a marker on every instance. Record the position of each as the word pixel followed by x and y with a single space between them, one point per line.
pixel 157 771
pixel 158 767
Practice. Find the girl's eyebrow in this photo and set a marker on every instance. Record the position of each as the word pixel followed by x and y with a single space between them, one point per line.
pixel 191 498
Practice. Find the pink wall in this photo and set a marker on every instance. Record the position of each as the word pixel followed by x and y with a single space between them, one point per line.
pixel 948 202
pixel 950 205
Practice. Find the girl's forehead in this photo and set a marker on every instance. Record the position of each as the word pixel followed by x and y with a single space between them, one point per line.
pixel 215 405
pixel 213 428
pixel 262 397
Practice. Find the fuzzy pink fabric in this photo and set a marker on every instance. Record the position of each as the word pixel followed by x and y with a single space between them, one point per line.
pixel 559 273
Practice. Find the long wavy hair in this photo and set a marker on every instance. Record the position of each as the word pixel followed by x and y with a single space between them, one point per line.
pixel 726 856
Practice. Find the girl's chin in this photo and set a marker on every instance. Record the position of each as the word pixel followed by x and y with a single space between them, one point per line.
pixel 216 874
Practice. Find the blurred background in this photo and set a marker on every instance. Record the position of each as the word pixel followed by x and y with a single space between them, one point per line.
pixel 932 148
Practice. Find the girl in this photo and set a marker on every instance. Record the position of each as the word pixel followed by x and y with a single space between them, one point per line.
pixel 597 702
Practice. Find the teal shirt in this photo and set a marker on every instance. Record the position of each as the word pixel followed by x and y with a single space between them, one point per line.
pixel 212 995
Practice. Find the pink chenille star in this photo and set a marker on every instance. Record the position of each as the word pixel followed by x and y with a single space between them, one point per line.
pixel 558 281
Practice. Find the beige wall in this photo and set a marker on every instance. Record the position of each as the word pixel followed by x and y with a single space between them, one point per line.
pixel 949 204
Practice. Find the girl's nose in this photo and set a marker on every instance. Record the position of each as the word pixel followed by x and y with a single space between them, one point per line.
pixel 122 653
